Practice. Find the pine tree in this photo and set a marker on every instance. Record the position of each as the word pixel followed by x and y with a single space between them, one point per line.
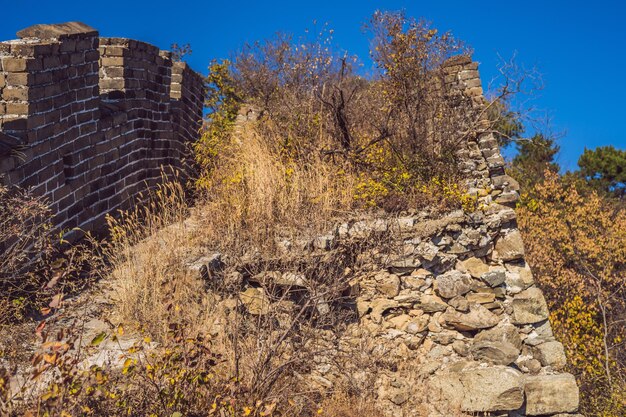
pixel 534 157
pixel 604 168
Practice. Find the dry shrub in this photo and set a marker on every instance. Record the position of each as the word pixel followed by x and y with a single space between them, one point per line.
pixel 25 244
pixel 210 354
pixel 258 196
pixel 384 136
pixel 37 264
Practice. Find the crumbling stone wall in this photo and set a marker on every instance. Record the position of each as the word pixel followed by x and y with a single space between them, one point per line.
pixel 480 159
pixel 457 301
pixel 448 318
pixel 88 122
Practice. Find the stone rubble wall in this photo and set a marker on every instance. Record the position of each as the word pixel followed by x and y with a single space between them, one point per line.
pixel 442 316
pixel 455 305
pixel 449 319
pixel 480 160
pixel 88 123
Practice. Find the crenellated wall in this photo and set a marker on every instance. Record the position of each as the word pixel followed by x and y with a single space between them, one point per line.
pixel 89 122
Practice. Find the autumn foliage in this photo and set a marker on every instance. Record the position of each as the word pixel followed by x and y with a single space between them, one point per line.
pixel 576 245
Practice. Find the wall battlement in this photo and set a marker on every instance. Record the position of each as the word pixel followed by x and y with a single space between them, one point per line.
pixel 88 122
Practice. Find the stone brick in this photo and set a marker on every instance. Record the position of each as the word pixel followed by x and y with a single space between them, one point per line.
pixel 17 108
pixel 15 94
pixel 112 61
pixel 11 64
pixel 62 95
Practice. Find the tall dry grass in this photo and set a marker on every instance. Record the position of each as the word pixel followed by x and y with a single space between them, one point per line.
pixel 146 252
pixel 257 200
pixel 258 194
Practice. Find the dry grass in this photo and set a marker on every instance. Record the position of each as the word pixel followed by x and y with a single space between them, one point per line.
pixel 257 200
pixel 147 253
pixel 257 193
pixel 343 405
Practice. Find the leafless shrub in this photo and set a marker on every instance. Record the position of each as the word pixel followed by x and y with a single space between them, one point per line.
pixel 25 243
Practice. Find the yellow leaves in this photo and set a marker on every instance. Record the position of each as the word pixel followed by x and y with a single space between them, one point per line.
pixel 451 191
pixel 370 191
pixel 128 366
pixel 575 243
pixel 50 358
pixel 99 338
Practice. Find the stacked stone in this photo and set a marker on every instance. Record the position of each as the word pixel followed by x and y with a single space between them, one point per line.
pixel 88 137
pixel 480 160
pixel 457 297
pixel 448 303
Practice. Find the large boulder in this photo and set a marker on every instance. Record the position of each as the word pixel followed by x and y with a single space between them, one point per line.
pixel 541 333
pixel 388 284
pixel 477 318
pixel 518 278
pixel 502 333
pixel 550 394
pixel 529 306
pixel 481 389
pixel 498 353
pixel 430 303
pixel 474 266
pixel 494 278
pixel 551 354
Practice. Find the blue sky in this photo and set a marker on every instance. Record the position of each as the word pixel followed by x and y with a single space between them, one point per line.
pixel 579 47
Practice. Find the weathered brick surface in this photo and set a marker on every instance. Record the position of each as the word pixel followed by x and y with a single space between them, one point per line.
pixel 97 119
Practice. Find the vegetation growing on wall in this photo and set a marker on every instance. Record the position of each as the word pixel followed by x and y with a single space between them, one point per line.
pixel 386 135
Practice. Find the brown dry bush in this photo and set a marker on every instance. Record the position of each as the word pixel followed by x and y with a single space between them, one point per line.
pixel 37 263
pixel 25 242
pixel 328 141
pixel 576 245
pixel 206 353
pixel 318 102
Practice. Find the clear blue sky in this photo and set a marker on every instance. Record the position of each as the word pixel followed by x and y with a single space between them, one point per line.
pixel 580 47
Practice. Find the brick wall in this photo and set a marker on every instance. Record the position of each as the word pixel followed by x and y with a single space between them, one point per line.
pixel 92 121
